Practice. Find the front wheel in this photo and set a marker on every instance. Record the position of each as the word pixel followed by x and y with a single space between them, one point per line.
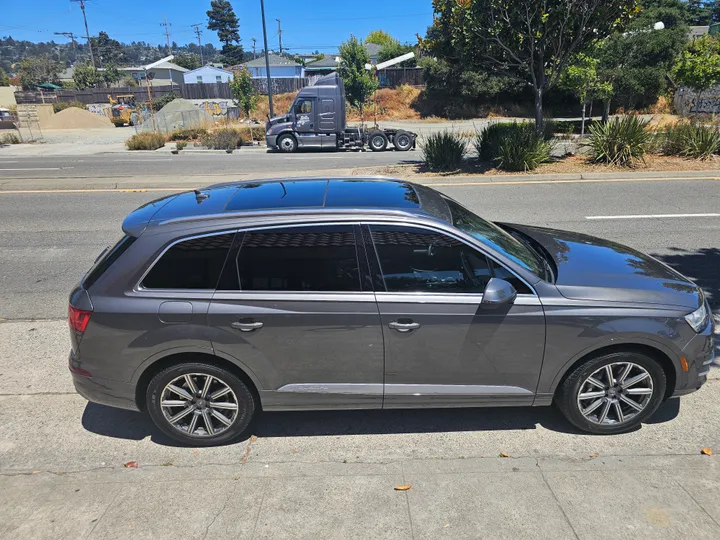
pixel 613 393
pixel 200 404
pixel 287 143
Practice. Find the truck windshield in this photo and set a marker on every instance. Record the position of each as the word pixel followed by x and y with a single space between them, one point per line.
pixel 493 236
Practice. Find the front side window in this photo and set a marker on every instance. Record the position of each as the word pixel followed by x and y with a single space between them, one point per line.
pixel 418 260
pixel 192 264
pixel 304 106
pixel 299 259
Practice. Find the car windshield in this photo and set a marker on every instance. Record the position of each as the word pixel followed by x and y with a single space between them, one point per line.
pixel 494 236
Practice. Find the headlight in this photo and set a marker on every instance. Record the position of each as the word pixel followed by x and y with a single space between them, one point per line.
pixel 698 319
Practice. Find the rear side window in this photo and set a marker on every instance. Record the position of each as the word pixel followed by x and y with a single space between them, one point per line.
pixel 299 259
pixel 107 259
pixel 191 264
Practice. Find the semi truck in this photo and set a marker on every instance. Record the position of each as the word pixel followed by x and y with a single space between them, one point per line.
pixel 316 119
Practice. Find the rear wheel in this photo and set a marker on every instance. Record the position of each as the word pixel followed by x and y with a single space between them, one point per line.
pixel 378 141
pixel 286 143
pixel 402 141
pixel 613 393
pixel 200 404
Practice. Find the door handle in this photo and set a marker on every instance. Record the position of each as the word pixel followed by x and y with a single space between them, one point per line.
pixel 404 327
pixel 247 327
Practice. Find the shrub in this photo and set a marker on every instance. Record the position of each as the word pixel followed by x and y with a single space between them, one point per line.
pixel 146 141
pixel 180 145
pixel 160 102
pixel 691 140
pixel 513 146
pixel 622 141
pixel 62 105
pixel 443 151
pixel 222 139
pixel 188 134
pixel 10 138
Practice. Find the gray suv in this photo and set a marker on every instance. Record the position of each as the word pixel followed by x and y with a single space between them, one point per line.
pixel 368 293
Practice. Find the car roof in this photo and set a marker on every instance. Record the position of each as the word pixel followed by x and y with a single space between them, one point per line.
pixel 365 196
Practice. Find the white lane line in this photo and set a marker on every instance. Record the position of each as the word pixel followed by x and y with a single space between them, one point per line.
pixel 654 216
pixel 39 169
pixel 150 160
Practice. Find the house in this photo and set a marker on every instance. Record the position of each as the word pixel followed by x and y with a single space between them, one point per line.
pixel 280 67
pixel 207 74
pixel 697 32
pixel 164 74
pixel 331 61
pixel 67 75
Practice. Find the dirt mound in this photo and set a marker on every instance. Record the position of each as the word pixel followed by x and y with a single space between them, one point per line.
pixel 75 118
pixel 178 114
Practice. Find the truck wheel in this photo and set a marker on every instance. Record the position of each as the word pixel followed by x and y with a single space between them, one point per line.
pixel 403 141
pixel 378 141
pixel 287 143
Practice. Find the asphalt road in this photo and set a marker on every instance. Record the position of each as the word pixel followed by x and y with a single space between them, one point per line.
pixel 244 161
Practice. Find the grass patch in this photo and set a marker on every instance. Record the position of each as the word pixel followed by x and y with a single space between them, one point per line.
pixel 10 138
pixel 443 151
pixel 513 146
pixel 622 141
pixel 691 140
pixel 146 141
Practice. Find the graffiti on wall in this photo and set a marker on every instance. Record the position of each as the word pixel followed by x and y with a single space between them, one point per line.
pixel 99 108
pixel 688 102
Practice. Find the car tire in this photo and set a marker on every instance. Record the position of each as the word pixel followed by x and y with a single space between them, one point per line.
pixel 287 143
pixel 584 402
pixel 402 141
pixel 229 425
pixel 377 141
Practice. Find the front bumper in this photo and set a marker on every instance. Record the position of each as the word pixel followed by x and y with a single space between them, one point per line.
pixel 271 141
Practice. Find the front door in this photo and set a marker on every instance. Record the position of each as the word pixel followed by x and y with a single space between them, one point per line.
pixel 305 123
pixel 442 347
pixel 293 308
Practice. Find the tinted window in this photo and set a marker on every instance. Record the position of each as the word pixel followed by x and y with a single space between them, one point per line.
pixel 192 264
pixel 416 260
pixel 106 260
pixel 303 259
pixel 503 273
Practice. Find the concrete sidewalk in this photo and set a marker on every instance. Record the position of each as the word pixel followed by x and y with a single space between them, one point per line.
pixel 637 497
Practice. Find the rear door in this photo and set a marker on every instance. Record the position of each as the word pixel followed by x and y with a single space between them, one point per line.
pixel 294 306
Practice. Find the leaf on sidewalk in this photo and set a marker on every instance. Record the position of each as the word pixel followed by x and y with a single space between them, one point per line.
pixel 706 452
pixel 403 488
pixel 503 454
pixel 594 456
pixel 131 465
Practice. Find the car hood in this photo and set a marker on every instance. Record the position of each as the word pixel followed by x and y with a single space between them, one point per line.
pixel 590 268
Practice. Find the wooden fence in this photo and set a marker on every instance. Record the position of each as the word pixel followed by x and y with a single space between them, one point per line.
pixel 387 78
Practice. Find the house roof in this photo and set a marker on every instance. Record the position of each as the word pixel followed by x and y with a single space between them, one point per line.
pixel 274 60
pixel 164 65
pixel 330 61
pixel 228 72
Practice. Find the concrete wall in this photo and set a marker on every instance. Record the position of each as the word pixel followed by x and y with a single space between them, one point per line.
pixel 7 96
pixel 689 103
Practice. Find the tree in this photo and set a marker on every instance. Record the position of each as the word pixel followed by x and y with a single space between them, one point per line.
pixel 530 39
pixel 359 83
pixel 700 12
pixel 187 60
pixel 698 67
pixel 111 75
pixel 581 78
pixel 381 38
pixel 395 49
pixel 224 21
pixel 86 76
pixel 107 51
pixel 4 79
pixel 245 95
pixel 36 70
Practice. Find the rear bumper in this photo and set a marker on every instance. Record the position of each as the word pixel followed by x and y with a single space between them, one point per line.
pixel 103 391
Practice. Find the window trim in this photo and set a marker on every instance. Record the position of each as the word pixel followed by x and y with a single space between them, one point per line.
pixel 453 235
pixel 138 288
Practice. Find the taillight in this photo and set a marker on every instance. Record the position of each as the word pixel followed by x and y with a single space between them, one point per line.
pixel 78 319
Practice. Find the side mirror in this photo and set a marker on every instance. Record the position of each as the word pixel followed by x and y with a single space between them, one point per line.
pixel 497 293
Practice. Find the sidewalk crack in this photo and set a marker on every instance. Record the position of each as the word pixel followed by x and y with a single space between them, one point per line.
pixel 112 502
pixel 407 501
pixel 257 517
pixel 217 515
pixel 542 474
pixel 696 502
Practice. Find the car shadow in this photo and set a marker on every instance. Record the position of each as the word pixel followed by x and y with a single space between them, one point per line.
pixel 701 266
pixel 122 424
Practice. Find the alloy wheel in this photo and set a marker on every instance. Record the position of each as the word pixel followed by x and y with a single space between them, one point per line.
pixel 199 405
pixel 615 393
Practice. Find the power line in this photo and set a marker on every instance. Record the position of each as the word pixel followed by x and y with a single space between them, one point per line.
pixel 167 26
pixel 198 32
pixel 87 32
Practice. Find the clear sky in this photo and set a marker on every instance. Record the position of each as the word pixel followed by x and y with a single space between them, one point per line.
pixel 307 25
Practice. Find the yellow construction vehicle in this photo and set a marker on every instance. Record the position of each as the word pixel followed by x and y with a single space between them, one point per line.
pixel 122 108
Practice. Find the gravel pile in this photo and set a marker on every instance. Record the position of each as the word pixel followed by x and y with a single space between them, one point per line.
pixel 178 114
pixel 75 118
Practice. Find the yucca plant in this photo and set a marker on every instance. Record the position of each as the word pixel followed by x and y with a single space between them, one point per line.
pixel 622 141
pixel 691 140
pixel 443 151
pixel 513 146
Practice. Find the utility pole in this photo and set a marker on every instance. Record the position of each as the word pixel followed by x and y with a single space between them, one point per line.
pixel 254 41
pixel 267 60
pixel 87 32
pixel 167 32
pixel 198 32
pixel 72 39
pixel 279 35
